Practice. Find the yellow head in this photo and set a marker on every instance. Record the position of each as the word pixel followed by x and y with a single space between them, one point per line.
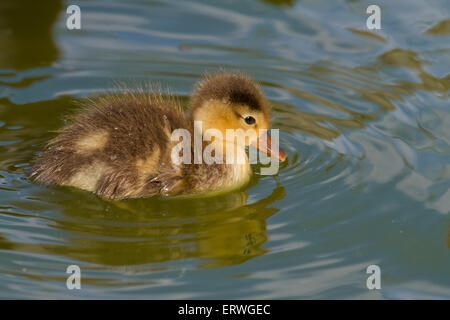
pixel 233 101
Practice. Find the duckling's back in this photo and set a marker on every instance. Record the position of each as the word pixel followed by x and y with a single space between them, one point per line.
pixel 118 147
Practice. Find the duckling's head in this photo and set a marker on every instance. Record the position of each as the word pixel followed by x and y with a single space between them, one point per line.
pixel 233 101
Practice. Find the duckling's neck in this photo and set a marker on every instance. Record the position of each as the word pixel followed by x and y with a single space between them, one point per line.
pixel 241 174
pixel 238 165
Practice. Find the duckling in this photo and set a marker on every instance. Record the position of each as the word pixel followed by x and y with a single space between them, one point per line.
pixel 120 146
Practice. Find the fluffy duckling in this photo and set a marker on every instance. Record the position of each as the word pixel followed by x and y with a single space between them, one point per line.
pixel 120 146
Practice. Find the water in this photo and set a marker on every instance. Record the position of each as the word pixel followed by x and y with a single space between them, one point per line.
pixel 364 118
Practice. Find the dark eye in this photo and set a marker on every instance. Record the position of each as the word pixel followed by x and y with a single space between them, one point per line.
pixel 249 120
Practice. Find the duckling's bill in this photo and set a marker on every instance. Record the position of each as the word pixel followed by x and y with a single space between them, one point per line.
pixel 266 145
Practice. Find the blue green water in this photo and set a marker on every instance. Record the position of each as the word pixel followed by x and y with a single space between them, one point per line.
pixel 364 118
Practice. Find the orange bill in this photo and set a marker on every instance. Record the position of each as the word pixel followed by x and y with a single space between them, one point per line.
pixel 270 147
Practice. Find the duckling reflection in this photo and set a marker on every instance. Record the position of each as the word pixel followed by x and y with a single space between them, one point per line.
pixel 220 230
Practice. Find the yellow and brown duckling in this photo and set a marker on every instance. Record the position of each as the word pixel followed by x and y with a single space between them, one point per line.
pixel 120 146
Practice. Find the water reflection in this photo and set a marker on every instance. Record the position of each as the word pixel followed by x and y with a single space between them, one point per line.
pixel 218 231
pixel 280 2
pixel 448 236
pixel 441 28
pixel 27 42
pixel 409 59
pixel 367 34
pixel 358 81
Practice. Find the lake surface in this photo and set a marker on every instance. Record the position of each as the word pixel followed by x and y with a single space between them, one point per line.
pixel 364 118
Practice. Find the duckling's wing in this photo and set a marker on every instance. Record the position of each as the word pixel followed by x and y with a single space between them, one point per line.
pixel 117 184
